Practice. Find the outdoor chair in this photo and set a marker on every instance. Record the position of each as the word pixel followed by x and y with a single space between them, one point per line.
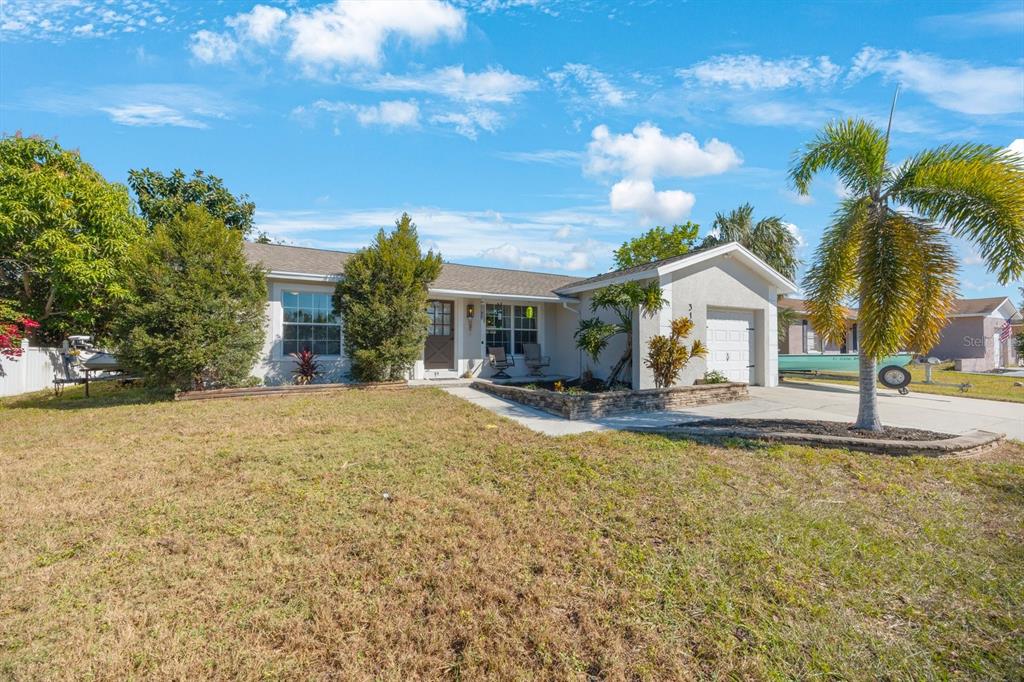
pixel 534 360
pixel 500 361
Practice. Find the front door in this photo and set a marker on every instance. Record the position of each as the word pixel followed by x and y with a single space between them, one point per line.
pixel 439 351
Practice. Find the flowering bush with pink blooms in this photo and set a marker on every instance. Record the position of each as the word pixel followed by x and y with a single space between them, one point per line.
pixel 13 328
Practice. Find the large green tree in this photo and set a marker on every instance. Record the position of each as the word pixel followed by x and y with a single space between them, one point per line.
pixel 162 197
pixel 64 235
pixel 382 299
pixel 769 239
pixel 657 243
pixel 196 311
pixel 622 301
pixel 888 243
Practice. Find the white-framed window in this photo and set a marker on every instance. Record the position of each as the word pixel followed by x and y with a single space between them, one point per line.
pixel 309 322
pixel 510 326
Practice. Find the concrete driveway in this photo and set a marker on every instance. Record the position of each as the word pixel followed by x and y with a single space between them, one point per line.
pixel 831 402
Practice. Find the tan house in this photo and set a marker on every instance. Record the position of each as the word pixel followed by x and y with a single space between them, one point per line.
pixel 973 339
pixel 729 292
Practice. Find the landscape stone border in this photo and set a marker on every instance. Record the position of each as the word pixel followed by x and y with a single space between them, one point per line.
pixel 308 389
pixel 962 446
pixel 592 405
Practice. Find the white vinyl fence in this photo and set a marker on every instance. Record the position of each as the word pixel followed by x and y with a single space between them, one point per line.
pixel 32 371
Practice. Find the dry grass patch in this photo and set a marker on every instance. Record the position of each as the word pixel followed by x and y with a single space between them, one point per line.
pixel 412 535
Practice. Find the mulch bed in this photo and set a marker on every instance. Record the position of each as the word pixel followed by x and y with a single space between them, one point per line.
pixel 823 428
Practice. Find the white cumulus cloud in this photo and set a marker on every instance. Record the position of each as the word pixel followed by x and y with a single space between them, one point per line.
pixel 261 24
pixel 1017 146
pixel 646 152
pixel 950 84
pixel 757 73
pixel 641 197
pixel 392 114
pixel 213 48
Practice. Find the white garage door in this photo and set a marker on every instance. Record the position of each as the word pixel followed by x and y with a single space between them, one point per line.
pixel 731 344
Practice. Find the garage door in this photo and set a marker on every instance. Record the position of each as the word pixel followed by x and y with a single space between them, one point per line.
pixel 731 344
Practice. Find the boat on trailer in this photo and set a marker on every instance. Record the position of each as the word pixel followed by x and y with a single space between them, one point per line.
pixel 892 372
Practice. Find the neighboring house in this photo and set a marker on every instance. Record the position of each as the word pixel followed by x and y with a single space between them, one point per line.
pixel 972 339
pixel 800 337
pixel 730 294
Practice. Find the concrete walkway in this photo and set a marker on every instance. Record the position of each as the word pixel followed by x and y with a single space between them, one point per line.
pixel 830 402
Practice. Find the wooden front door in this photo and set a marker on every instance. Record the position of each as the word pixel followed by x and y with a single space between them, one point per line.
pixel 439 351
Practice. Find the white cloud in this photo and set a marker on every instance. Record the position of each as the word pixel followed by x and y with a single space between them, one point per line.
pixel 261 24
pixel 950 84
pixel 392 114
pixel 350 32
pixel 151 115
pixel 647 153
pixel 469 123
pixel 797 198
pixel 494 85
pixel 587 84
pixel 797 234
pixel 60 20
pixel 972 258
pixel 640 196
pixel 841 190
pixel 343 33
pixel 213 48
pixel 186 106
pixel 1005 18
pixel 756 73
pixel 1017 146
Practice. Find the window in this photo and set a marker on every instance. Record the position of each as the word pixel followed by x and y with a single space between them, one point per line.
pixel 509 327
pixel 440 314
pixel 310 322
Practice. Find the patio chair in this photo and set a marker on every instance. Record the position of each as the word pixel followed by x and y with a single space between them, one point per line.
pixel 500 361
pixel 534 360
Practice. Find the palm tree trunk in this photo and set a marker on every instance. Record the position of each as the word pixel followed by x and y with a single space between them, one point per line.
pixel 617 369
pixel 867 412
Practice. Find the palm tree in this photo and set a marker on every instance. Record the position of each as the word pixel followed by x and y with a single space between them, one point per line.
pixel 622 299
pixel 888 244
pixel 769 238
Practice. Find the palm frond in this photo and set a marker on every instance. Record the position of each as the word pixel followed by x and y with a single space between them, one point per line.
pixel 938 286
pixel 772 241
pixel 853 149
pixel 890 274
pixel 977 192
pixel 833 278
pixel 593 335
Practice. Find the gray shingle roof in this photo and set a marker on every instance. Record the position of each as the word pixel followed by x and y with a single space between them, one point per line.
pixel 455 277
pixel 978 306
pixel 644 266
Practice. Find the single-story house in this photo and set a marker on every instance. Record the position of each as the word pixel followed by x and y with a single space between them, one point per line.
pixel 800 337
pixel 729 292
pixel 972 339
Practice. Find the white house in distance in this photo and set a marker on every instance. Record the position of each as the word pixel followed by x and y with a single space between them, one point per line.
pixel 729 293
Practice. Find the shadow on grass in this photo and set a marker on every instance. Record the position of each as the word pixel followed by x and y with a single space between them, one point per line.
pixel 106 394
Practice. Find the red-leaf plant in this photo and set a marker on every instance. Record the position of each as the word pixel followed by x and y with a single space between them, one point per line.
pixel 11 334
pixel 306 367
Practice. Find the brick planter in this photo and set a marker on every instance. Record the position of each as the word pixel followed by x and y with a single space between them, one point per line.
pixel 590 405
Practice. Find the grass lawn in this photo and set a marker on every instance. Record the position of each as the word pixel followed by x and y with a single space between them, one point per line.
pixel 404 535
pixel 984 386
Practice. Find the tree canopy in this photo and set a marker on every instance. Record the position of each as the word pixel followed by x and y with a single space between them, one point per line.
pixel 888 243
pixel 64 236
pixel 195 315
pixel 162 197
pixel 382 300
pixel 769 239
pixel 657 243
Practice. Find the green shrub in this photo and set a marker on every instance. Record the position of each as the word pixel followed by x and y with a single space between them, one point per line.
pixel 196 310
pixel 715 377
pixel 382 300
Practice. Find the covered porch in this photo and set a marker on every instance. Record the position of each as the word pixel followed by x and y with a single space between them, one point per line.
pixel 464 325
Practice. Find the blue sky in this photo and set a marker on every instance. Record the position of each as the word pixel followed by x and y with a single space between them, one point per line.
pixel 522 134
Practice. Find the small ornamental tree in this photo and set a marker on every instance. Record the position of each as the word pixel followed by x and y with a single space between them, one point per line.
pixel 161 197
pixel 594 334
pixel 668 355
pixel 196 313
pixel 382 300
pixel 64 236
pixel 657 243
